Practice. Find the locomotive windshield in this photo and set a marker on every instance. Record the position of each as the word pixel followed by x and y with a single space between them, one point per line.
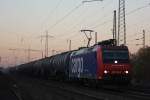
pixel 110 55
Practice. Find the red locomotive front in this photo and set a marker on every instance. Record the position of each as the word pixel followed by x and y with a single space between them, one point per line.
pixel 114 64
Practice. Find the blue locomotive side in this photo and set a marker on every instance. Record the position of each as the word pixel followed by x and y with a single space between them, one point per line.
pixel 83 64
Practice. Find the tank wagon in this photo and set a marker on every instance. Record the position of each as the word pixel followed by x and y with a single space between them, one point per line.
pixel 102 62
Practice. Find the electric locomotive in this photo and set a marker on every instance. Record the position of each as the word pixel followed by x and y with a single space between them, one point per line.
pixel 102 62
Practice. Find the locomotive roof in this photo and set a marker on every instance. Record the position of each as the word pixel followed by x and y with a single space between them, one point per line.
pixel 94 48
pixel 114 47
pixel 84 50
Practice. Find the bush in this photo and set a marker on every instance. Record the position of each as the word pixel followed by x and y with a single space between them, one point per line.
pixel 141 64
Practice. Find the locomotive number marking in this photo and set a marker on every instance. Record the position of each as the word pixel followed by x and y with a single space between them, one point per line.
pixel 77 66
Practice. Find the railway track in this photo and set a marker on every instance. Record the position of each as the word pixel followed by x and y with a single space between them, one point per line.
pixel 138 91
pixel 9 89
pixel 118 93
pixel 76 92
pixel 130 91
pixel 71 91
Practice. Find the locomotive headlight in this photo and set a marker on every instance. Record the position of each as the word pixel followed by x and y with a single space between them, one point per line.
pixel 105 71
pixel 115 61
pixel 126 72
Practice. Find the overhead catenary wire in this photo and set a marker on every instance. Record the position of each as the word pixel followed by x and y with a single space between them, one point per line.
pixel 65 16
pixel 139 8
pixel 77 7
pixel 75 25
pixel 107 21
pixel 133 11
pixel 91 15
pixel 104 16
pixel 78 18
pixel 86 1
pixel 128 13
pixel 101 24
pixel 69 13
pixel 72 26
pixel 75 35
pixel 51 12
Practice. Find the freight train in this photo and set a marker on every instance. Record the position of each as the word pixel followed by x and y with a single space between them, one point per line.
pixel 102 62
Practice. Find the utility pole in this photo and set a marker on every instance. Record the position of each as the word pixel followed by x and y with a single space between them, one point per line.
pixel 69 44
pixel 121 23
pixel 114 26
pixel 28 51
pixel 41 47
pixel 0 60
pixel 29 54
pixel 13 52
pixel 89 37
pixel 143 38
pixel 46 42
pixel 95 37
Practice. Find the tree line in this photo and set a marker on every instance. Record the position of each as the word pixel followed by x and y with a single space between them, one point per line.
pixel 141 64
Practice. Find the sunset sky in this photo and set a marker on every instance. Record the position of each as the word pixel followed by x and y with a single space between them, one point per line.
pixel 22 22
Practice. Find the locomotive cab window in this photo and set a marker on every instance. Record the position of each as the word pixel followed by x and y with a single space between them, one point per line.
pixel 120 55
